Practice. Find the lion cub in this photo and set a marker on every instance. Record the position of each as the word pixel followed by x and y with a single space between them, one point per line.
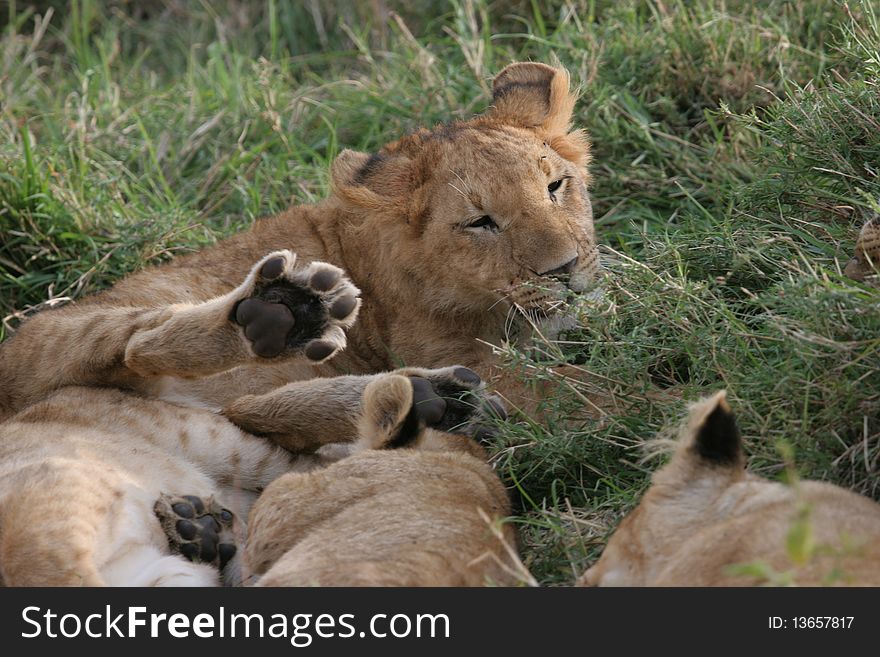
pixel 706 522
pixel 412 506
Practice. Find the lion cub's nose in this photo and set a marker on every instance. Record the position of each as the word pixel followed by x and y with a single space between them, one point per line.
pixel 567 268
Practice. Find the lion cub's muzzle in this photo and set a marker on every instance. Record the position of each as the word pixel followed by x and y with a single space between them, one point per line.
pixel 563 272
pixel 578 274
pixel 549 293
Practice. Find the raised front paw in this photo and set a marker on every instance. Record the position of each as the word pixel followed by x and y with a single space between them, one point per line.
pixel 400 405
pixel 199 529
pixel 290 310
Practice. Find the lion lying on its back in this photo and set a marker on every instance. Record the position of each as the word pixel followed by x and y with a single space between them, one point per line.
pixel 448 233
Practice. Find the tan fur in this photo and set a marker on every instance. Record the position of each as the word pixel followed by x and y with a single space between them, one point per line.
pixel 80 473
pixel 434 292
pixel 425 515
pixel 865 263
pixel 704 514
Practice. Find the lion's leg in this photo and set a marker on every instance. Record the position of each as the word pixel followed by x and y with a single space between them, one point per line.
pixel 71 346
pixel 279 311
pixel 50 526
pixel 306 415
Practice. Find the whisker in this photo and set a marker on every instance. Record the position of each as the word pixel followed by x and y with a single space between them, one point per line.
pixel 458 190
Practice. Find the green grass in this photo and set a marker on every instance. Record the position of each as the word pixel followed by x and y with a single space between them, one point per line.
pixel 737 151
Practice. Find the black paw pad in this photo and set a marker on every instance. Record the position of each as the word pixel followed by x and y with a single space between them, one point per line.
pixel 197 504
pixel 324 280
pixel 186 529
pixel 265 324
pixel 226 552
pixel 343 306
pixel 184 510
pixel 319 349
pixel 484 435
pixel 469 409
pixel 190 551
pixel 467 375
pixel 427 405
pixel 452 401
pixel 272 268
pixel 208 524
pixel 485 426
pixel 208 551
pixel 496 408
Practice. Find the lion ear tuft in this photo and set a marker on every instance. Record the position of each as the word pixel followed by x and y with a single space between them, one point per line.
pixel 538 96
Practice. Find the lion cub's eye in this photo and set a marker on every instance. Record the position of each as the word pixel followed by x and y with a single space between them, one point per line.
pixel 556 184
pixel 484 222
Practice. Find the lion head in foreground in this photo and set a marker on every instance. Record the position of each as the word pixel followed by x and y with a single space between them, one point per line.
pixel 492 213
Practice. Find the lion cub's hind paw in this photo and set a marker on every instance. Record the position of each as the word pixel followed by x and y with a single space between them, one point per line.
pixel 451 400
pixel 292 310
pixel 470 408
pixel 199 529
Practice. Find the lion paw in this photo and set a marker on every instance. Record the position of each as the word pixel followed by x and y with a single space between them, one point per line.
pixel 399 406
pixel 199 529
pixel 455 400
pixel 290 310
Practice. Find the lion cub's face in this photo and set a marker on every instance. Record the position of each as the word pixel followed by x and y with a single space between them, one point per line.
pixel 491 212
pixel 515 217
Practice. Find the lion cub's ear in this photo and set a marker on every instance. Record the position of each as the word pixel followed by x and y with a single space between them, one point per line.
pixel 712 436
pixel 534 96
pixel 537 96
pixel 376 181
